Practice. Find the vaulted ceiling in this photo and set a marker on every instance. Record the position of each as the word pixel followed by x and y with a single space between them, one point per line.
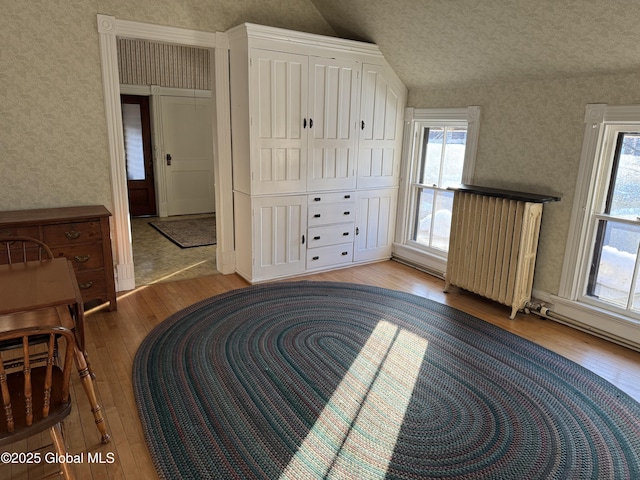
pixel 442 43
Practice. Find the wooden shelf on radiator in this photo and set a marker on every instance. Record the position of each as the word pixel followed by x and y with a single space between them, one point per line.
pixel 493 243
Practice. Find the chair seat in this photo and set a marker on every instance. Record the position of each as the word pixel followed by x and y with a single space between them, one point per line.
pixel 58 407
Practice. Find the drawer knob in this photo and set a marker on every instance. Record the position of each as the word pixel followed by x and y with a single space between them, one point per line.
pixel 347 213
pixel 317 199
pixel 316 237
pixel 72 234
pixel 345 253
pixel 317 215
pixel 345 234
pixel 81 258
pixel 347 196
pixel 315 258
pixel 85 286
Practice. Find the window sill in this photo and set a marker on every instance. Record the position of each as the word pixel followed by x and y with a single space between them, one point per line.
pixel 434 264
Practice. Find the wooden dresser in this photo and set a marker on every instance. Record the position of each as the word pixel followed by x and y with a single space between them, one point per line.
pixel 81 234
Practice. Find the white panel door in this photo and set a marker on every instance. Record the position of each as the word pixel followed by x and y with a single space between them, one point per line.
pixel 380 129
pixel 375 224
pixel 279 226
pixel 188 154
pixel 332 124
pixel 279 86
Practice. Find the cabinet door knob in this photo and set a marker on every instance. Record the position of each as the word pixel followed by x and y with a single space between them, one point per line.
pixel 304 123
pixel 311 123
pixel 362 125
pixel 303 239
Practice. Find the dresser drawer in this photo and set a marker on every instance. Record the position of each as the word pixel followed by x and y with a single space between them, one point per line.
pixel 82 257
pixel 330 235
pixel 69 233
pixel 321 198
pixel 331 213
pixel 92 284
pixel 20 231
pixel 331 255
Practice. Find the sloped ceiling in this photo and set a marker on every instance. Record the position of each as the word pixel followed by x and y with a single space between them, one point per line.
pixel 444 43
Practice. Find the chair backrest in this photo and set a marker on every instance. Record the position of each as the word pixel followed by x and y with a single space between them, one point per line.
pixel 34 398
pixel 16 249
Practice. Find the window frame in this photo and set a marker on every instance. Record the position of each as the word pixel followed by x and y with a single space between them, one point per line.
pixel 416 119
pixel 604 163
pixel 568 303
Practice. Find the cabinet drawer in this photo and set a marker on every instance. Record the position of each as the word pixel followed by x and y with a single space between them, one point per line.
pixel 92 284
pixel 331 213
pixel 69 233
pixel 20 232
pixel 318 198
pixel 82 257
pixel 331 255
pixel 330 235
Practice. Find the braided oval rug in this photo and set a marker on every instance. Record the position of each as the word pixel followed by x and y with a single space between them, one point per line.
pixel 308 380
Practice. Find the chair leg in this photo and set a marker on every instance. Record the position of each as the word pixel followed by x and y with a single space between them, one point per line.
pixel 87 384
pixel 61 450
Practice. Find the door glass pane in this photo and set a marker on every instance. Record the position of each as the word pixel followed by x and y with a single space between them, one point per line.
pixel 614 264
pixel 625 197
pixel 133 149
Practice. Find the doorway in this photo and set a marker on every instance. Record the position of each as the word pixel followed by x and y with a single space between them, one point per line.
pixel 136 122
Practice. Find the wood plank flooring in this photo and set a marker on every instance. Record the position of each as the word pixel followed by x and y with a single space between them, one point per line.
pixel 113 338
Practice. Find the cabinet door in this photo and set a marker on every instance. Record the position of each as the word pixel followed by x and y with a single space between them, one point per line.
pixel 375 224
pixel 332 120
pixel 279 91
pixel 279 226
pixel 380 141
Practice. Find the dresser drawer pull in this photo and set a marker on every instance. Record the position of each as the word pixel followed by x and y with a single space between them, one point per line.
pixel 81 258
pixel 85 286
pixel 317 237
pixel 317 199
pixel 315 258
pixel 347 196
pixel 345 234
pixel 72 234
pixel 317 215
pixel 347 213
pixel 345 253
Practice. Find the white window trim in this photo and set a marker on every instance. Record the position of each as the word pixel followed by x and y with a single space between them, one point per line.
pixel 413 119
pixel 568 301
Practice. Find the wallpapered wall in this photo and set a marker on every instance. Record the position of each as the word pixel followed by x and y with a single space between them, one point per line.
pixel 531 139
pixel 53 138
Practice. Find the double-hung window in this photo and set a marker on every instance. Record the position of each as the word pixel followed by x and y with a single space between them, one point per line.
pixel 612 277
pixel 600 283
pixel 439 153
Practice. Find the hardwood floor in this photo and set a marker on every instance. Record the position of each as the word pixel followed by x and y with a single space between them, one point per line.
pixel 113 338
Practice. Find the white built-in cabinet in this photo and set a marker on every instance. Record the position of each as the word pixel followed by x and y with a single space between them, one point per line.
pixel 316 135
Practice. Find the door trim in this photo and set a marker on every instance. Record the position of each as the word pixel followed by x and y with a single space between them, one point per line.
pixel 109 28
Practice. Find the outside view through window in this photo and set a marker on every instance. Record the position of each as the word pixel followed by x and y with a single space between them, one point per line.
pixel 614 269
pixel 441 162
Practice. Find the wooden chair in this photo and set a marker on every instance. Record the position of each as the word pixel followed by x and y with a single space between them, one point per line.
pixel 36 399
pixel 22 249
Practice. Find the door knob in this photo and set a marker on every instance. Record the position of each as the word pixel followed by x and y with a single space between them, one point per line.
pixel 168 159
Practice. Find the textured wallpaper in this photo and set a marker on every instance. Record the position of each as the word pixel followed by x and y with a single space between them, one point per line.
pixel 531 139
pixel 53 138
